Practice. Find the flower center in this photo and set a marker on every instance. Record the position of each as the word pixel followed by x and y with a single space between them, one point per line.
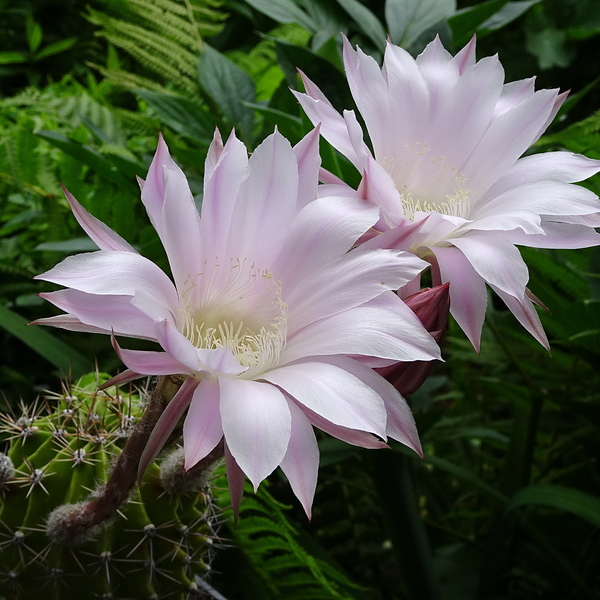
pixel 429 184
pixel 237 306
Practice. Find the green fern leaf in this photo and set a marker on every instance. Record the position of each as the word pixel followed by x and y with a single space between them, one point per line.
pixel 165 36
pixel 271 545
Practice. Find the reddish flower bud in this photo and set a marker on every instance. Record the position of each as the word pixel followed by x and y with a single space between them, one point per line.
pixel 431 305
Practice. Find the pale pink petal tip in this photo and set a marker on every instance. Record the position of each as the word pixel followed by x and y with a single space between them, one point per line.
pixel 104 237
pixel 235 478
pixel 120 379
pixel 166 424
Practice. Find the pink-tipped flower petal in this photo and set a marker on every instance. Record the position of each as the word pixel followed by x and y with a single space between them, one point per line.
pixel 104 237
pixel 202 429
pixel 301 461
pixel 167 423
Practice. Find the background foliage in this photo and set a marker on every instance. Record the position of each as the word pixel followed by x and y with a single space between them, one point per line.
pixel 505 504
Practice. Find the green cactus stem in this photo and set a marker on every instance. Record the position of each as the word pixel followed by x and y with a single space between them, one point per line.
pixel 62 533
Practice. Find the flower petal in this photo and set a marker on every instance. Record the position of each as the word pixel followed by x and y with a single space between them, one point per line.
pixel 104 237
pixel 177 345
pixel 333 393
pixel 301 461
pixel 370 92
pixel 223 178
pixel 257 425
pixel 505 140
pixel 383 327
pixel 557 235
pixel 149 363
pixel 333 126
pixel 309 163
pixel 180 229
pixel 320 234
pixel 526 314
pixel 104 313
pixel 378 187
pixel 202 428
pixel 68 322
pixel 267 202
pixel 166 424
pixel 496 260
pixel 356 278
pixel 400 423
pixel 355 437
pixel 468 296
pixel 115 274
pixel 153 189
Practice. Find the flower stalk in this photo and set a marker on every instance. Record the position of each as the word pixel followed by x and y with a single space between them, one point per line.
pixel 79 519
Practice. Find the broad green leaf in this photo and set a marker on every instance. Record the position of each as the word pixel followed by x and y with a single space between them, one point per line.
pixel 329 20
pixel 549 46
pixel 465 22
pixel 578 503
pixel 55 351
pixel 181 114
pixel 86 155
pixel 329 51
pixel 284 11
pixel 7 58
pixel 506 14
pixel 34 33
pixel 228 86
pixel 366 20
pixel 331 82
pixel 408 19
pixel 55 48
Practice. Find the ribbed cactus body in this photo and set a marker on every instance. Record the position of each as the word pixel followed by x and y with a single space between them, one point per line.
pixel 57 457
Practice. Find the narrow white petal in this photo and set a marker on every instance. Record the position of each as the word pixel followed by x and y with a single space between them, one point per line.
pixel 356 278
pixel 222 182
pixel 267 202
pixel 113 273
pixel 320 234
pixel 383 327
pixel 333 393
pixel 309 163
pixel 468 295
pixel 108 313
pixel 202 429
pixel 104 237
pixel 526 314
pixel 496 260
pixel 400 423
pixel 257 425
pixel 301 461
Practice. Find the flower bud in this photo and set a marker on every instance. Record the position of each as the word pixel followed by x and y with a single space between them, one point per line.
pixel 431 305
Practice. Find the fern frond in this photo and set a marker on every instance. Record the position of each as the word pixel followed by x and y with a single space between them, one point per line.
pixel 142 124
pixel 12 269
pixel 272 547
pixel 170 18
pixel 127 80
pixel 165 36
pixel 583 136
pixel 555 272
pixel 155 51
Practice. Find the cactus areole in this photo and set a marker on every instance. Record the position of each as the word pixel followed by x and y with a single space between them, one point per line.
pixel 154 546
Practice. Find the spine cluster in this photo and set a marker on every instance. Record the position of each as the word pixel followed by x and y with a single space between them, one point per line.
pixel 59 452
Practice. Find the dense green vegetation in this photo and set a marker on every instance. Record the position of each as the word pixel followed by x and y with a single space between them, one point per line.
pixel 505 503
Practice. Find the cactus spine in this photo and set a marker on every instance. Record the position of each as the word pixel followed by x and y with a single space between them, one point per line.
pixel 58 453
